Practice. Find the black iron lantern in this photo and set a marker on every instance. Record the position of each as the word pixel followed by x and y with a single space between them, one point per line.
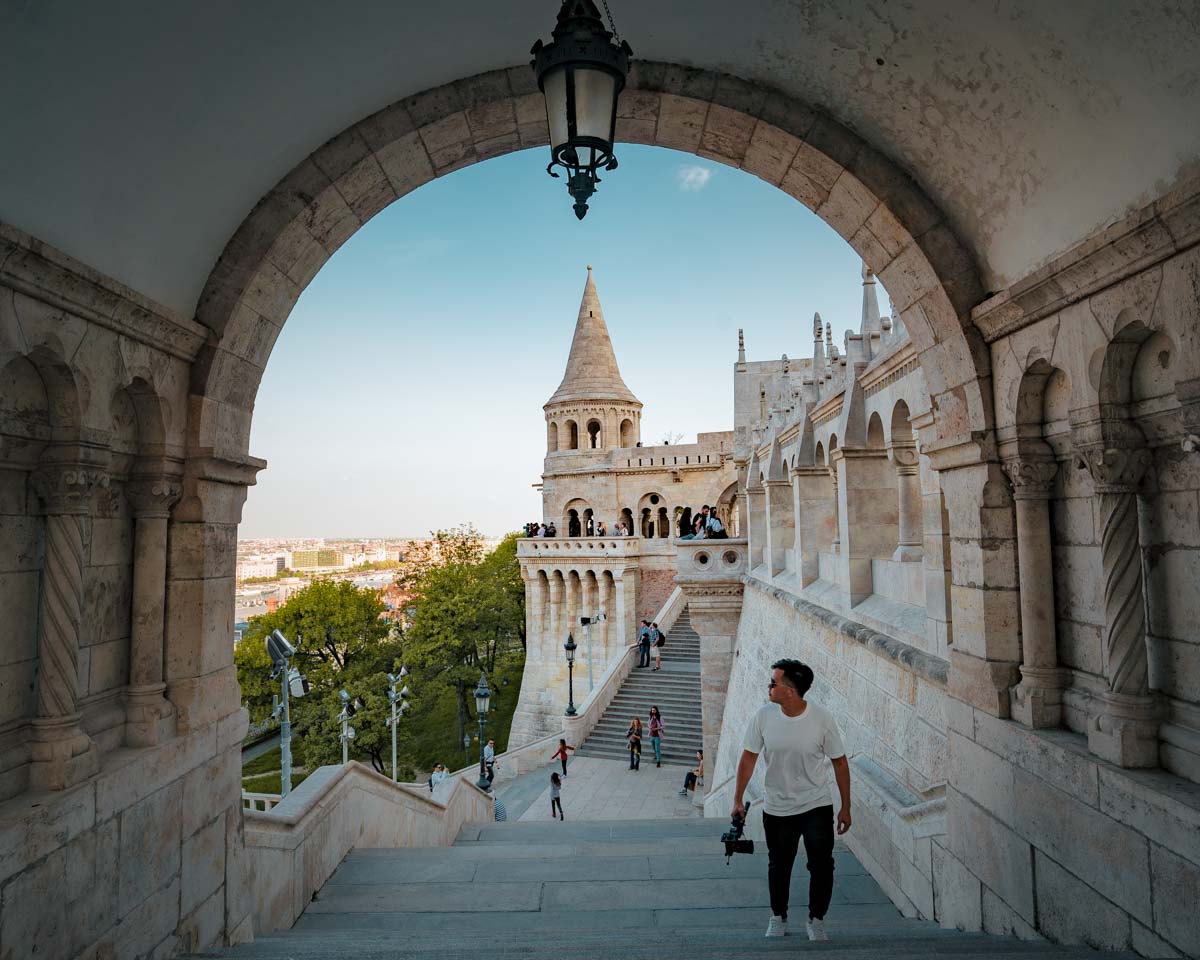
pixel 581 73
pixel 483 696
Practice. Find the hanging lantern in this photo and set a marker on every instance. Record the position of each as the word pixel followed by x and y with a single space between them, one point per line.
pixel 581 73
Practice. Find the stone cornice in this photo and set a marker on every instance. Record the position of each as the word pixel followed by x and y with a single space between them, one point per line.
pixel 1146 237
pixel 43 273
pixel 828 409
pixel 895 365
pixel 908 657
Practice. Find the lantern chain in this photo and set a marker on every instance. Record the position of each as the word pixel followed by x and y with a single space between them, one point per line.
pixel 612 26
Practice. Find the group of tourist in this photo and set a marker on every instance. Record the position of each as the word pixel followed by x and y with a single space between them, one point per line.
pixel 706 525
pixel 537 530
pixel 650 636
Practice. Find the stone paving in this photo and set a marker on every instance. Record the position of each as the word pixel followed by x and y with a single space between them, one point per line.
pixel 608 790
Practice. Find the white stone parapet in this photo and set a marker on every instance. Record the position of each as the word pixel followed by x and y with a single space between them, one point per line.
pixel 711 560
pixel 577 548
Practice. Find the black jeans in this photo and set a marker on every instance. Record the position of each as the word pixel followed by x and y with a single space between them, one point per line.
pixel 783 839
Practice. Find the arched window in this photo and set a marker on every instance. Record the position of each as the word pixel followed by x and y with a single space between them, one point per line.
pixel 593 432
pixel 572 437
pixel 551 437
pixel 573 525
pixel 628 435
pixel 664 524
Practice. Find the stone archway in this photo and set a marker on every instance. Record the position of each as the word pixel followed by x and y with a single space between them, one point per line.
pixel 866 198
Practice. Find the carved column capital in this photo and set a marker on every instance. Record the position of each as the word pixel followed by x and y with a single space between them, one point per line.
pixel 153 497
pixel 1031 478
pixel 904 457
pixel 66 489
pixel 1115 469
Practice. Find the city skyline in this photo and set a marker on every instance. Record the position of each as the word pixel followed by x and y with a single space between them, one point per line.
pixel 455 344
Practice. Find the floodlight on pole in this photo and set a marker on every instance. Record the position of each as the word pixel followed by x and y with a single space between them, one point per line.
pixel 350 706
pixel 400 706
pixel 292 684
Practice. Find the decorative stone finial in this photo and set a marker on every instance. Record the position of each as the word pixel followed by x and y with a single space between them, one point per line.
pixel 741 346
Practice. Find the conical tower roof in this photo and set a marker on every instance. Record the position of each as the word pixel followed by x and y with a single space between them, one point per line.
pixel 592 372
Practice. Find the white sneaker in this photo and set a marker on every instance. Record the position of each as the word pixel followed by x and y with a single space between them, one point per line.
pixel 816 930
pixel 777 927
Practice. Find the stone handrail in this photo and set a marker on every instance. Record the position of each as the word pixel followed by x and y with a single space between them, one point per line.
pixel 578 728
pixel 574 548
pixel 260 801
pixel 295 847
pixel 711 560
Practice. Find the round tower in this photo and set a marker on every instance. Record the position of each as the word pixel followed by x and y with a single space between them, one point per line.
pixel 592 409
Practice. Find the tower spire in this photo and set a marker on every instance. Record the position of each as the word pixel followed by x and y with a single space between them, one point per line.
pixel 870 305
pixel 741 346
pixel 818 350
pixel 592 372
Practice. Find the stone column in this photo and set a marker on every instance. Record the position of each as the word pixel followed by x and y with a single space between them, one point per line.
pixel 756 515
pixel 779 525
pixel 62 753
pixel 600 631
pixel 1037 699
pixel 816 519
pixel 867 517
pixel 145 704
pixel 835 545
pixel 1125 728
pixel 550 634
pixel 715 611
pixel 903 456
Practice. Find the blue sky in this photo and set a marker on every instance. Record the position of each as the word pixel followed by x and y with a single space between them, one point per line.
pixel 405 391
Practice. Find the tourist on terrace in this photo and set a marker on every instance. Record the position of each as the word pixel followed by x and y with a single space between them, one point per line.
pixel 600 531
pixel 796 739
pixel 693 776
pixel 697 529
pixel 656 732
pixel 550 531
pixel 714 529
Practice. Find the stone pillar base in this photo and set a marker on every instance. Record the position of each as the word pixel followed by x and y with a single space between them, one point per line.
pixel 984 684
pixel 1125 730
pixel 909 553
pixel 63 755
pixel 1037 700
pixel 145 710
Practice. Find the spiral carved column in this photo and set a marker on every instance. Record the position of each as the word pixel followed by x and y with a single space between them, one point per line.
pixel 1037 700
pixel 62 753
pixel 1125 729
pixel 145 703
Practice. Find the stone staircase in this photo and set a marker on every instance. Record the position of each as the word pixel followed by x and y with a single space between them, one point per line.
pixel 622 890
pixel 675 690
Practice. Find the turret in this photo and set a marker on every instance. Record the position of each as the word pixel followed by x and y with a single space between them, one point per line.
pixel 592 381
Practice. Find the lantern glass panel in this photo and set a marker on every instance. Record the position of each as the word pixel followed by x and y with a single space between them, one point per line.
pixel 554 85
pixel 595 91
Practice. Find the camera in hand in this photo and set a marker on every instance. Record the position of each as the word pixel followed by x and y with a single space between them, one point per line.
pixel 733 839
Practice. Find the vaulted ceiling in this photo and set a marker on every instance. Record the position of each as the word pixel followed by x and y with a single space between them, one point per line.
pixel 137 136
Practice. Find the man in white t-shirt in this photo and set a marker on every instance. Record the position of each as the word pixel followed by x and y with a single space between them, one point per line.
pixel 797 739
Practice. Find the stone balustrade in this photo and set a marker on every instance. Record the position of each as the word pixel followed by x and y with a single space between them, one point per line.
pixel 262 802
pixel 578 548
pixel 711 560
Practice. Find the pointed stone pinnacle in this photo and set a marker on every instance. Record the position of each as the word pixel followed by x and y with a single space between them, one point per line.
pixel 592 372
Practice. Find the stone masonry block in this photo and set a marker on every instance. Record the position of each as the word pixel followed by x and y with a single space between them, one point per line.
pixel 896 190
pixel 385 127
pixel 1059 758
pixel 770 153
pixel 203 928
pixel 788 114
pixel 492 118
pixel 430 106
pixel 848 207
pixel 1114 858
pixel 210 787
pixel 632 131
pixel 1070 911
pixel 674 80
pixel 151 924
pixel 834 141
pixel 737 94
pixel 150 847
pixel 19 601
pixel 681 123
pixel 983 776
pixel 1000 858
pixel 798 185
pixel 34 832
pixel 448 142
pixel 632 105
pixel 33 908
pixel 956 890
pixel 1176 894
pixel 909 277
pixel 1002 920
pixel 406 163
pixel 202 869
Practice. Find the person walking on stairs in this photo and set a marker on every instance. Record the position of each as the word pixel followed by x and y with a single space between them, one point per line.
pixel 556 796
pixel 658 638
pixel 561 755
pixel 633 737
pixel 797 739
pixel 656 732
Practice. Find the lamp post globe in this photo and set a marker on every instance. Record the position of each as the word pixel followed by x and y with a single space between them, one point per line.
pixel 581 73
pixel 570 647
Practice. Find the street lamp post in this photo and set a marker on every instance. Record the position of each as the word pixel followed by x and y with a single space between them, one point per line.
pixel 570 647
pixel 400 706
pixel 483 698
pixel 280 651
pixel 587 625
pixel 349 708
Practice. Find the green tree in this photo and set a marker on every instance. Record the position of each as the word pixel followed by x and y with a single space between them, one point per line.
pixel 342 643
